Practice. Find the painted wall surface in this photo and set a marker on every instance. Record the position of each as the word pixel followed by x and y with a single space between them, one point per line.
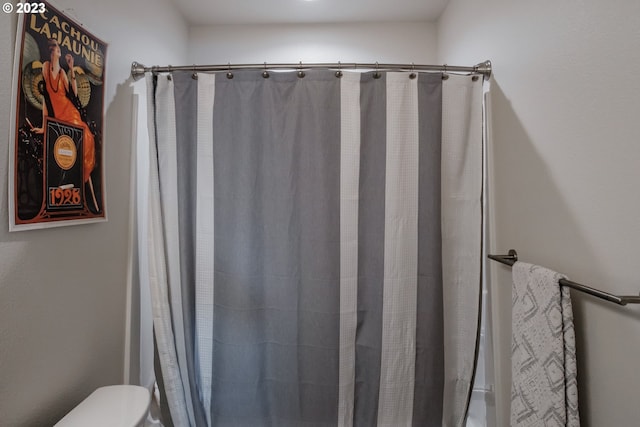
pixel 370 42
pixel 63 291
pixel 564 172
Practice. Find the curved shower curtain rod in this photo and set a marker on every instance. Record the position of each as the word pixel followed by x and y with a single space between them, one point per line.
pixel 484 68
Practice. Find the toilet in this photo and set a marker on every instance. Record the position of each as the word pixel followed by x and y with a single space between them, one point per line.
pixel 111 406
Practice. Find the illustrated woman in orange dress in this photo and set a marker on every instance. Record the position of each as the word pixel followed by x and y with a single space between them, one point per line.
pixel 57 84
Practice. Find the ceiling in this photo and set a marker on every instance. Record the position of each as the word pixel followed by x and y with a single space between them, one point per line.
pixel 216 12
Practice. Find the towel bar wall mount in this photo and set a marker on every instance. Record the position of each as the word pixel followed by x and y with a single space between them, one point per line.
pixel 512 257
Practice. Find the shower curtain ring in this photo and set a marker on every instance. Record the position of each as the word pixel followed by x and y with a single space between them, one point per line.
pixel 229 73
pixel 301 73
pixel 265 73
pixel 376 75
pixel 339 72
pixel 413 69
pixel 169 73
pixel 445 76
pixel 194 76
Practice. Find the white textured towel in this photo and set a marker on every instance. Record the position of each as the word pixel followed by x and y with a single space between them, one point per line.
pixel 543 366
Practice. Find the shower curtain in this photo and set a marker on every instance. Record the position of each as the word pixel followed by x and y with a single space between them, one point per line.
pixel 314 246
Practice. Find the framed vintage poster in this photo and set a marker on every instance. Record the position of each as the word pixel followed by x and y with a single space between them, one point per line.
pixel 56 167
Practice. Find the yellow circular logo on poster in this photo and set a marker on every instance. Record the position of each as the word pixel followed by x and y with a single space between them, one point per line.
pixel 65 153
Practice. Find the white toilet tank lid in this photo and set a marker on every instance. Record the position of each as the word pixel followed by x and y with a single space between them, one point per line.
pixel 111 406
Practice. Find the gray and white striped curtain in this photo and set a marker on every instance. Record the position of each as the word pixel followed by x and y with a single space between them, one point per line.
pixel 314 246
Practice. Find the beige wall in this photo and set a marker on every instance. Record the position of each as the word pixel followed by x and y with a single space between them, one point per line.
pixel 353 42
pixel 564 171
pixel 63 291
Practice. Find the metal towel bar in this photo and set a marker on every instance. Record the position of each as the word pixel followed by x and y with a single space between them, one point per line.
pixel 512 257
